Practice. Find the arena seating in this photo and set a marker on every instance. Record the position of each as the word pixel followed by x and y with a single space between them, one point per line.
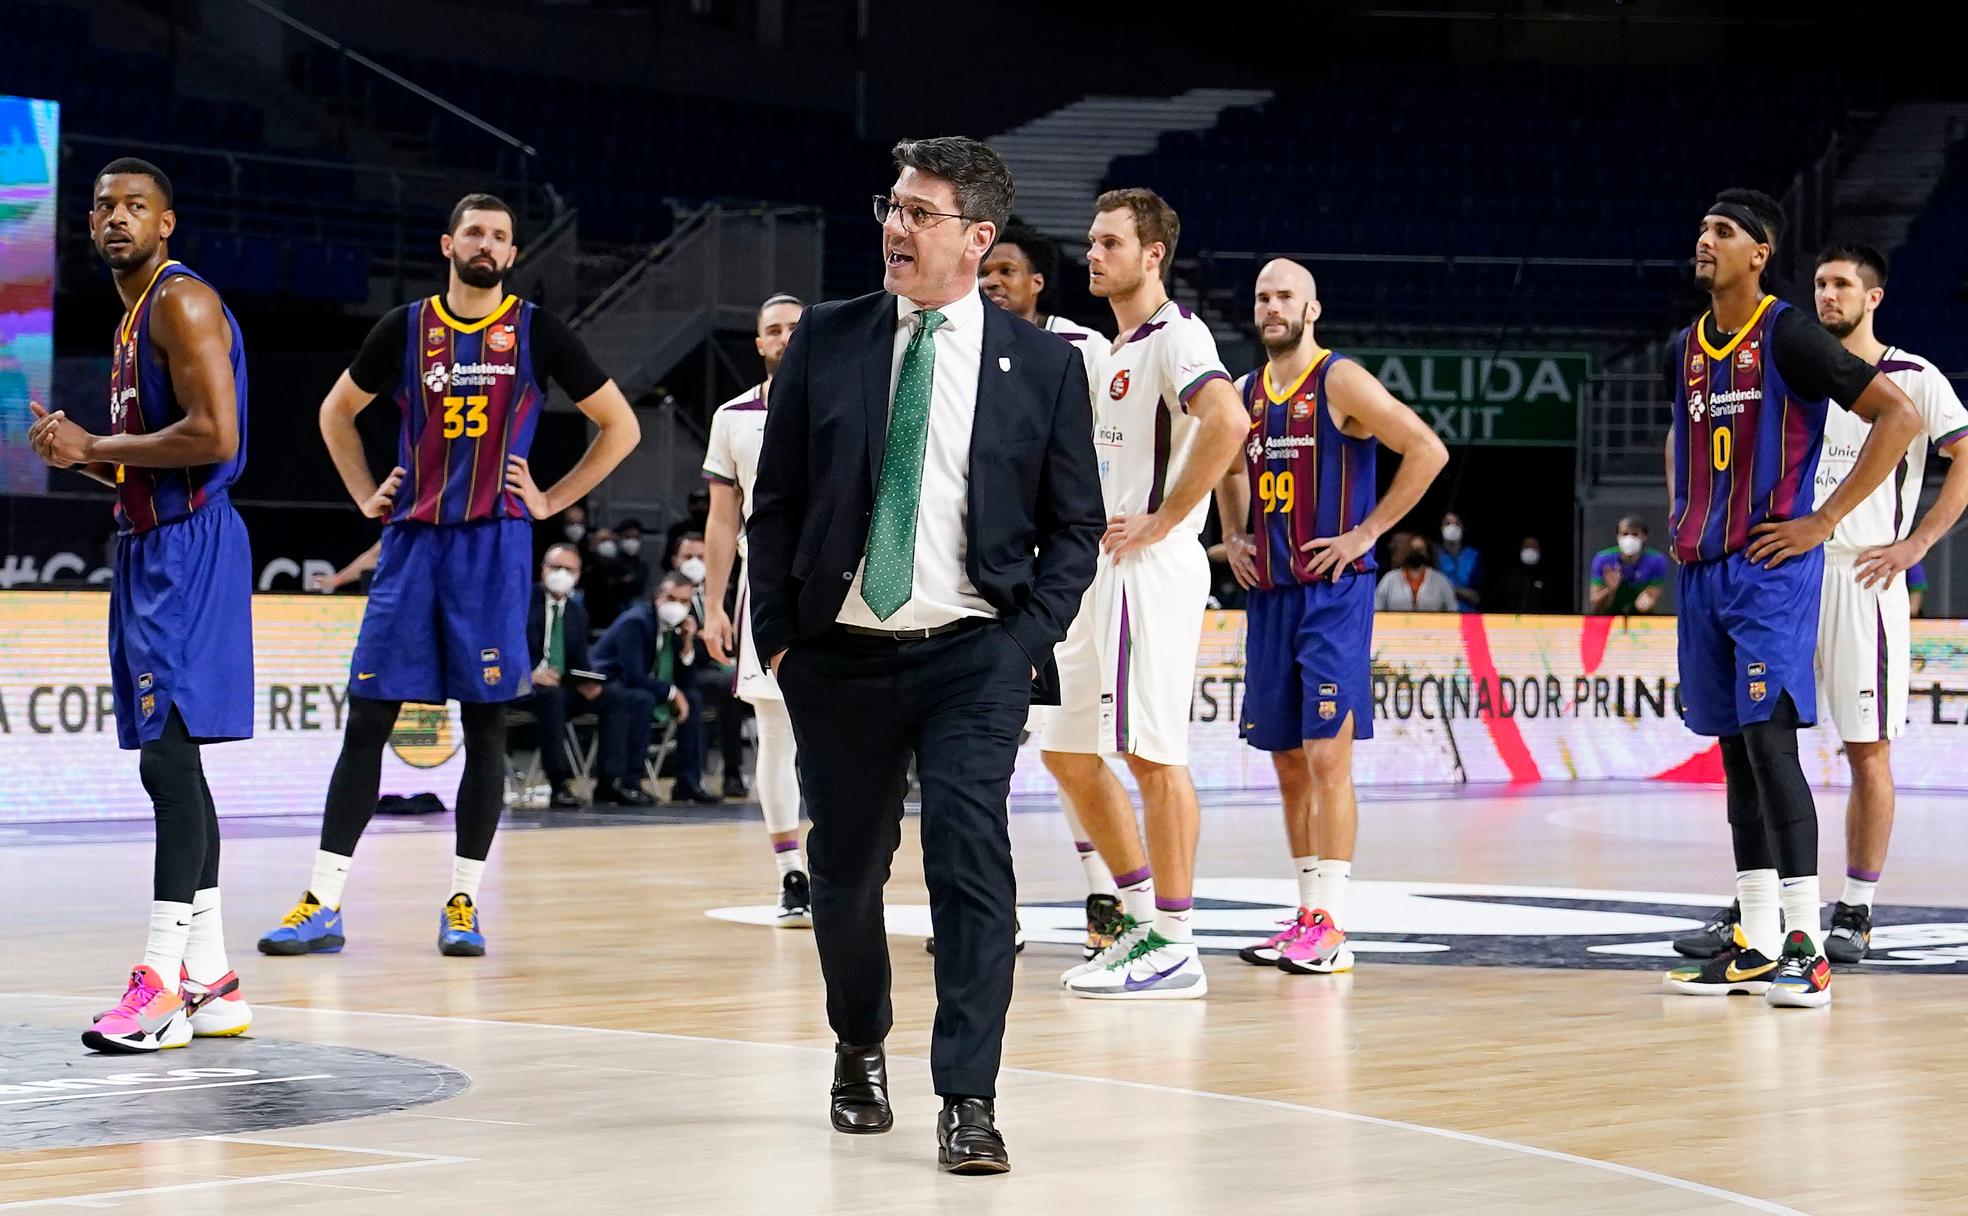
pixel 1926 309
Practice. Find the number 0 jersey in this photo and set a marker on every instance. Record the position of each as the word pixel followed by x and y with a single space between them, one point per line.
pixel 1308 478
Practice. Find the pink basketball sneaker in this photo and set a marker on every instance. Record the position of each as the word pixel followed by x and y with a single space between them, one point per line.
pixel 149 1017
pixel 1267 952
pixel 216 1010
pixel 1319 949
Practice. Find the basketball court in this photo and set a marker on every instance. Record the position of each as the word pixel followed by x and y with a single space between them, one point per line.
pixel 637 1035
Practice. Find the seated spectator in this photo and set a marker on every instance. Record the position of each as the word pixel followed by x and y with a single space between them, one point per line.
pixel 557 646
pixel 1628 578
pixel 712 683
pixel 1462 565
pixel 652 646
pixel 1415 585
pixel 1916 577
pixel 696 518
pixel 1525 589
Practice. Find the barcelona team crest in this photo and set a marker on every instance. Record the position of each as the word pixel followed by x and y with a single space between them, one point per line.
pixel 1696 364
pixel 1758 690
pixel 148 704
pixel 1328 710
pixel 434 335
pixel 502 338
pixel 492 675
pixel 1117 387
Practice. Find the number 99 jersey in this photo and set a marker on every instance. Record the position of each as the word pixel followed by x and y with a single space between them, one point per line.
pixel 1308 478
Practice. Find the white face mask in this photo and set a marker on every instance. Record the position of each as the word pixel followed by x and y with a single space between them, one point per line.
pixel 1629 544
pixel 605 547
pixel 559 582
pixel 1529 557
pixel 575 532
pixel 672 613
pixel 631 545
pixel 1452 533
pixel 692 568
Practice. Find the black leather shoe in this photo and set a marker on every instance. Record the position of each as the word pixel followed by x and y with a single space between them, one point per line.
pixel 967 1139
pixel 693 794
pixel 614 793
pixel 565 799
pixel 736 788
pixel 860 1093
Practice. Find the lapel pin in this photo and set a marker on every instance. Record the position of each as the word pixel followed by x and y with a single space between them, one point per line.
pixel 1004 363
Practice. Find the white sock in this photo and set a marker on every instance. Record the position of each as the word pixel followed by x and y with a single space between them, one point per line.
pixel 330 872
pixel 164 949
pixel 787 860
pixel 205 953
pixel 1800 909
pixel 465 874
pixel 1138 898
pixel 1858 892
pixel 1100 879
pixel 1331 888
pixel 1308 871
pixel 1173 924
pixel 1762 923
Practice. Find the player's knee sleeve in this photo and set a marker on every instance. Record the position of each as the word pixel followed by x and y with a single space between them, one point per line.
pixel 481 788
pixel 370 723
pixel 1782 791
pixel 169 769
pixel 775 781
pixel 1748 830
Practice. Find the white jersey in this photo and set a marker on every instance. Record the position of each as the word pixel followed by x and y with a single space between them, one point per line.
pixel 1887 514
pixel 1142 430
pixel 732 458
pixel 1090 342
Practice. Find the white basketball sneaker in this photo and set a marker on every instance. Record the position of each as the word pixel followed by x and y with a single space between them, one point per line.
pixel 1130 935
pixel 1154 970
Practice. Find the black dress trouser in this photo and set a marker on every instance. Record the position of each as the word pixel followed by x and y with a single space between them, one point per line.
pixel 860 706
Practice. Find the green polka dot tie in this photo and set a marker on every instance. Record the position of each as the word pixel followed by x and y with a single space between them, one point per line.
pixel 890 576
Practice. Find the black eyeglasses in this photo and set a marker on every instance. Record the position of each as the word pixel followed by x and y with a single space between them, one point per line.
pixel 914 218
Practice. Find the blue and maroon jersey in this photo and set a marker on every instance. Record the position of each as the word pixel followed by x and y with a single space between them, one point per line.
pixel 470 398
pixel 142 401
pixel 1308 478
pixel 1746 443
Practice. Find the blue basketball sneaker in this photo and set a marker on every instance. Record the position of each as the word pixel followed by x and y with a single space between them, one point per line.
pixel 309 928
pixel 457 929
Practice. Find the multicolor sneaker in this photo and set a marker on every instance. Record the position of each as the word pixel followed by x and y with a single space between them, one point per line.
pixel 1103 923
pixel 1319 949
pixel 458 933
pixel 149 1017
pixel 1713 939
pixel 1737 969
pixel 1154 969
pixel 1265 953
pixel 795 901
pixel 1130 935
pixel 1803 979
pixel 216 1010
pixel 1851 933
pixel 309 928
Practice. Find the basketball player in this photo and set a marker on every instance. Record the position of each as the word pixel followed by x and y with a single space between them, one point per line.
pixel 1752 382
pixel 1863 660
pixel 731 466
pixel 1166 425
pixel 1016 276
pixel 1300 524
pixel 180 596
pixel 446 618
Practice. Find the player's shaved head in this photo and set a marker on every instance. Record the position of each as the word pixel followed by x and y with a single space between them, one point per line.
pixel 1285 304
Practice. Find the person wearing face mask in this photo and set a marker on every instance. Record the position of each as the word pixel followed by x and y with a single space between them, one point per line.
pixel 1415 585
pixel 653 647
pixel 696 518
pixel 1462 565
pixel 557 645
pixel 1527 588
pixel 630 573
pixel 1629 577
pixel 574 524
pixel 711 682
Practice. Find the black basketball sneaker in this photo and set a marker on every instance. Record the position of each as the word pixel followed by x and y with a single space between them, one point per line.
pixel 1103 917
pixel 795 901
pixel 1851 933
pixel 1713 938
pixel 1737 969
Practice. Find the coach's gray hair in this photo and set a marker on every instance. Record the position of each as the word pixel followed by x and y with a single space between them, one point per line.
pixel 984 187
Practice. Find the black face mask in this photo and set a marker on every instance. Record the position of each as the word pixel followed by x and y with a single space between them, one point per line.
pixel 1415 560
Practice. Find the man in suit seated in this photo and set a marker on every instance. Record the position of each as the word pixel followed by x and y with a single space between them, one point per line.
pixel 557 644
pixel 651 648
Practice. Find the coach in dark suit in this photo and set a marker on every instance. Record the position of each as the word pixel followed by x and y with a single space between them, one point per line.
pixel 925 524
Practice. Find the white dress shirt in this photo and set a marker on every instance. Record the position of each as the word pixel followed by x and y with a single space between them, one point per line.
pixel 941 591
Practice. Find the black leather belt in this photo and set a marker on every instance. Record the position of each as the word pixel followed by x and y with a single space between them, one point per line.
pixel 914 635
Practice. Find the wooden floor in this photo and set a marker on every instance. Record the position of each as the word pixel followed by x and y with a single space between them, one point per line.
pixel 627 1051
